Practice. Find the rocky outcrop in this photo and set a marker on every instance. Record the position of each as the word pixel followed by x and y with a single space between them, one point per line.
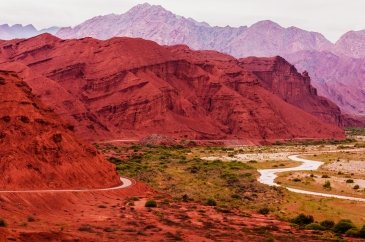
pixel 338 78
pixel 133 88
pixel 282 78
pixel 38 151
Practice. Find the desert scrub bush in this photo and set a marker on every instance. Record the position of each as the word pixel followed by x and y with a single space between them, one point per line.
pixel 327 224
pixel 114 160
pixel 314 226
pixel 2 223
pixel 362 232
pixel 297 179
pixel 2 81
pixel 327 185
pixel 303 219
pixel 30 218
pixel 57 138
pixel 356 187
pixel 211 202
pixel 264 211
pixel 85 228
pixel 349 181
pixel 151 204
pixel 354 232
pixel 24 119
pixel 325 176
pixel 343 226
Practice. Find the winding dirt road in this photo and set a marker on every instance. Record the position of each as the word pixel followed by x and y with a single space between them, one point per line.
pixel 125 182
pixel 268 176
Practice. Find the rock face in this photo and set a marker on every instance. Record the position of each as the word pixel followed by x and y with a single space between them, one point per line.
pixel 282 78
pixel 131 88
pixel 264 39
pixel 40 152
pixel 339 78
pixel 19 31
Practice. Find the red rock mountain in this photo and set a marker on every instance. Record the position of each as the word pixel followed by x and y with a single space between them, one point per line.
pixel 124 88
pixel 263 39
pixel 38 151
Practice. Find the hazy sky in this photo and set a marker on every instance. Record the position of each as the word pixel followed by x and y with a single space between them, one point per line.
pixel 330 17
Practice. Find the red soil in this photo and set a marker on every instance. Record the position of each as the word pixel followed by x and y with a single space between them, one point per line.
pixel 131 88
pixel 114 216
pixel 38 151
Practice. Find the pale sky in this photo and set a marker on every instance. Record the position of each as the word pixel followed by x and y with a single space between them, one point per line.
pixel 330 17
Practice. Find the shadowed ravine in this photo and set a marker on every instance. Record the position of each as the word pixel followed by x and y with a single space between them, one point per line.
pixel 268 176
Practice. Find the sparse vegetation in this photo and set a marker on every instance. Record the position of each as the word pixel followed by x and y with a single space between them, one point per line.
pixel 303 219
pixel 343 226
pixel 327 185
pixel 211 202
pixel 151 204
pixel 264 211
pixel 2 223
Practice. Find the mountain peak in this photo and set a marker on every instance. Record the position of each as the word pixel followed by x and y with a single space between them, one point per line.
pixel 267 24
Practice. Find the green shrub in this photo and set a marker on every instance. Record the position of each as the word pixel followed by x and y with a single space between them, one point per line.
pixel 327 185
pixel 354 232
pixel 343 225
pixel 362 232
pixel 264 211
pixel 151 204
pixel 211 202
pixel 314 226
pixel 2 223
pixel 303 219
pixel 327 224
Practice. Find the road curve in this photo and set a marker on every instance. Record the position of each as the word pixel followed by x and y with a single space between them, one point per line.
pixel 125 182
pixel 268 176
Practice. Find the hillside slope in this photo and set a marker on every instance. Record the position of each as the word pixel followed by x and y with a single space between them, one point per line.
pixel 132 87
pixel 38 151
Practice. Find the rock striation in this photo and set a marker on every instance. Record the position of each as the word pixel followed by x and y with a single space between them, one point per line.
pixel 38 151
pixel 131 88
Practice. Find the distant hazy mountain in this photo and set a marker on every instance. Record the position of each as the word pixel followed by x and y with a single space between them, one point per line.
pixel 352 44
pixel 151 22
pixel 19 31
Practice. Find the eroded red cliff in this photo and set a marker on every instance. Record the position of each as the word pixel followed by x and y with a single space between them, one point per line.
pixel 124 88
pixel 38 151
